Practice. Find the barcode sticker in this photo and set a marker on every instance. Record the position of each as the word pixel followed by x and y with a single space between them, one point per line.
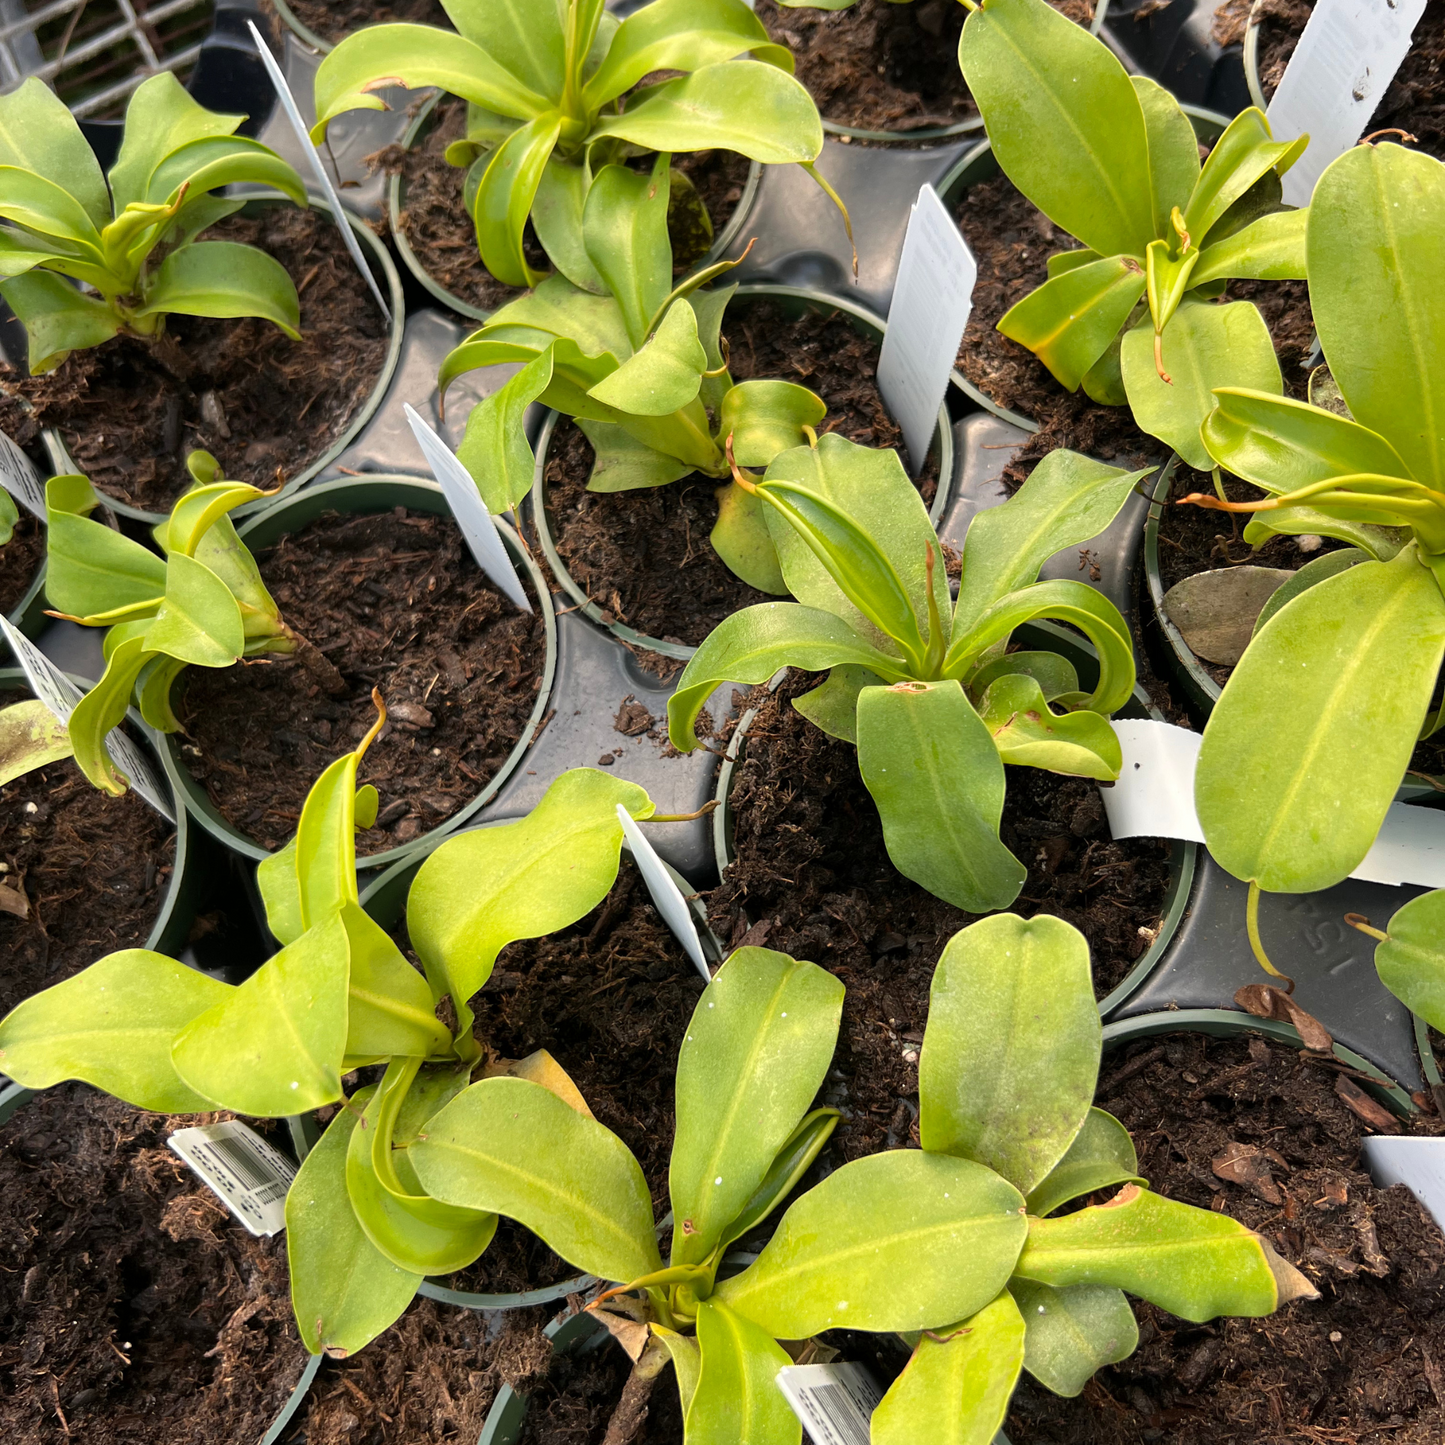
pixel 20 477
pixel 834 1402
pixel 60 695
pixel 248 1176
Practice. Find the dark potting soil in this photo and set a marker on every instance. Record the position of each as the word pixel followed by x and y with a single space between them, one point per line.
pixel 132 1306
pixel 264 405
pixel 644 556
pixel 1415 99
pixel 439 229
pixel 334 19
pixel 1363 1363
pixel 20 560
pixel 810 865
pixel 395 601
pixel 93 871
pixel 574 1404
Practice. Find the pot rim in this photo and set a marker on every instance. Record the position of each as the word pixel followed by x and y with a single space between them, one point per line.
pixel 396 200
pixel 1251 57
pixel 427 496
pixel 380 258
pixel 861 319
pixel 308 38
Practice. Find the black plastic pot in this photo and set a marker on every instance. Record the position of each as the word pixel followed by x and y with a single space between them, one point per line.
pixel 578 1334
pixel 862 322
pixel 1173 44
pixel 385 272
pixel 359 496
pixel 1182 864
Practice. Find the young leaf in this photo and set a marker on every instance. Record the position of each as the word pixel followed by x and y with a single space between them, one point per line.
pixel 112 1025
pixel 1411 961
pixel 1101 1155
pixel 513 1147
pixel 1173 150
pixel 902 1240
pixel 765 418
pixel 788 1167
pixel 1011 1050
pixel 625 228
pixel 756 1051
pixel 1239 158
pixel 1027 733
pixel 1073 1332
pixel 504 198
pixel 89 567
pixel 222 279
pixel 390 1009
pixel 104 708
pixel 736 1397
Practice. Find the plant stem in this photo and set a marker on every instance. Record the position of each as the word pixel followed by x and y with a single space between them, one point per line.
pixel 1360 922
pixel 1218 484
pixel 1251 920
pixel 702 812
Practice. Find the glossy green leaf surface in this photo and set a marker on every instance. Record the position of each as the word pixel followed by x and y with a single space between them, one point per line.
pixel 625 229
pixel 1411 963
pixel 623 464
pixel 47 209
pixel 736 1397
pixel 495 449
pixel 896 1241
pixel 788 1167
pixel 390 1009
pixel 89 567
pixel 1011 1050
pixel 1028 733
pixel 557 217
pixel 1173 150
pixel 224 279
pixel 112 1025
pixel 740 536
pixel 583 1194
pixel 38 132
pixel 1244 153
pixel 1269 249
pixel 57 318
pixel 1101 1155
pixel 754 1056
pixel 956 1388
pixel 931 766
pixel 160 118
pixel 1073 1332
pixel 664 374
pixel 1310 575
pixel 1291 788
pixel 104 708
pixel 686 1360
pixel 504 198
pixel 834 705
pixel 199 621
pixel 765 418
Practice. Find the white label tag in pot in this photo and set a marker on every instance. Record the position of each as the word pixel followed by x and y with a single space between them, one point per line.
pixel 248 1176
pixel 21 478
pixel 1154 798
pixel 318 169
pixel 834 1402
pixel 469 509
pixel 1345 60
pixel 1418 1164
pixel 60 695
pixel 666 895
pixel 932 298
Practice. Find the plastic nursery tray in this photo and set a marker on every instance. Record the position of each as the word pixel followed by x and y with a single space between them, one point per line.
pixel 1173 44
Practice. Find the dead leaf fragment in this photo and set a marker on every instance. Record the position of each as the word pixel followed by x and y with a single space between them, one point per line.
pixel 1216 611
pixel 1247 1165
pixel 1265 1001
pixel 1363 1106
pixel 632 1335
pixel 13 901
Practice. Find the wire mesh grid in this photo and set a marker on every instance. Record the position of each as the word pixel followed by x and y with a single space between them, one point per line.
pixel 94 53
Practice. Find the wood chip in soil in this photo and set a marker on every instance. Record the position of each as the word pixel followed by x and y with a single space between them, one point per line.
pixel 93 871
pixel 133 1308
pixel 395 601
pixel 334 19
pixel 644 556
pixel 20 559
pixel 439 229
pixel 266 406
pixel 810 863
pixel 1362 1364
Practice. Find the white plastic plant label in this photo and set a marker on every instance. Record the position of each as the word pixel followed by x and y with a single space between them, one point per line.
pixel 20 477
pixel 1418 1164
pixel 248 1176
pixel 1154 798
pixel 60 695
pixel 834 1402
pixel 666 895
pixel 1339 72
pixel 469 509
pixel 293 114
pixel 932 298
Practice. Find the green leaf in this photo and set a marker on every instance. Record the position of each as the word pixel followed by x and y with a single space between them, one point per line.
pixel 623 464
pixel 736 1397
pixel 765 418
pixel 1292 786
pixel 527 39
pixel 833 707
pixel 1101 1155
pixel 792 1161
pixel 281 893
pixel 47 209
pixel 1380 543
pixel 111 1025
pixel 201 508
pixel 1173 150
pixel 1073 1332
pixel 750 646
pixel 558 308
pixel 745 106
pixel 1011 1049
pixel 224 279
pixel 1192 1262
pixel 326 839
pixel 1239 158
pixel 30 737
pixel 38 133
pixel 1374 238
pixel 159 119
pixel 1310 575
pixel 1270 249
pixel 1054 674
pixel 273 1046
pixel 901 1240
pixel 1070 321
pixel 416 56
pixel 760 1041
pixel 956 1388
pixel 1068 499
pixel 1065 122
pixel 153 693
pixel 57 318
pixel 390 1010
pixel 932 768
pixel 205 165
pixel 624 226
pixel 557 211
pixel 664 374
pixel 741 537
pixel 581 1191
pixel 489 887
pixel 90 568
pixel 1205 346
pixel 1411 961
pixel 1028 733
pixel 104 708
pixel 495 449
pixel 504 198
pixel 344 1291
pixel 686 1360
pixel 199 621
